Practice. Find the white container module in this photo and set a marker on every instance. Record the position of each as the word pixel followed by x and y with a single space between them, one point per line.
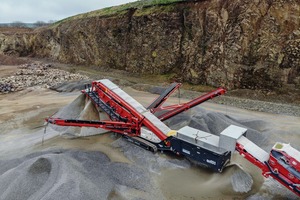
pixel 200 138
pixel 229 137
pixel 226 141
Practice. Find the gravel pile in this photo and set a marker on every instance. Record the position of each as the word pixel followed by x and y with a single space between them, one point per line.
pixel 73 174
pixel 241 181
pixel 147 160
pixel 261 106
pixel 30 75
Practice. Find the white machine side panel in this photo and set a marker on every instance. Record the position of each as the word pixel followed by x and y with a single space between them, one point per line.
pixel 110 85
pixel 113 87
pixel 234 131
pixel 145 133
pixel 159 124
pixel 136 105
pixel 253 149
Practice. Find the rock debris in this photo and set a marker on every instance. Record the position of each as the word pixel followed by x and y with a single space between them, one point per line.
pixel 29 75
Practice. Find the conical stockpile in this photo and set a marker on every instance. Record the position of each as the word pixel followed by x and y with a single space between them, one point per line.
pixel 82 109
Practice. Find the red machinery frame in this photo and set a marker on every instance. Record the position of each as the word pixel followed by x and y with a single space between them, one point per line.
pixel 126 120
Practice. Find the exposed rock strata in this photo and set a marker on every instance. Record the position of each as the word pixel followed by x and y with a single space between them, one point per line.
pixel 237 44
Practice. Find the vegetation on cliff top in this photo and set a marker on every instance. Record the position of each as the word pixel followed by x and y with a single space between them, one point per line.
pixel 121 9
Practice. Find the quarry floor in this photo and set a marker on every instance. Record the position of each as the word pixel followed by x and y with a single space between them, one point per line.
pixel 34 163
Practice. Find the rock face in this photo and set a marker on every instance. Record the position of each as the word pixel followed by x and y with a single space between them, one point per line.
pixel 235 43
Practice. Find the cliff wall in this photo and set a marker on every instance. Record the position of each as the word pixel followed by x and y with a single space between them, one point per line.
pixel 234 43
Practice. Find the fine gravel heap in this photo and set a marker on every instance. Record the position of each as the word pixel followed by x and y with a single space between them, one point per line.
pixel 71 174
pixel 241 181
pixel 29 75
pixel 146 159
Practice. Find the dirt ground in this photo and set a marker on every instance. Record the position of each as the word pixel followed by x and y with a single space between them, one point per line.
pixel 11 62
pixel 14 30
pixel 22 117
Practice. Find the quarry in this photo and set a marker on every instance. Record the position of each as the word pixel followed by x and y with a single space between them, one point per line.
pixel 177 100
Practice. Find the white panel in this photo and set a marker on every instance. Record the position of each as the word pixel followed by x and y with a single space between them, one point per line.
pixel 253 149
pixel 200 138
pixel 145 133
pixel 159 124
pixel 229 136
pixel 287 148
pixel 110 85
pixel 234 131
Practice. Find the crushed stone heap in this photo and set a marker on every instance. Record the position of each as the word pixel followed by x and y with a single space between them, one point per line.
pixel 29 75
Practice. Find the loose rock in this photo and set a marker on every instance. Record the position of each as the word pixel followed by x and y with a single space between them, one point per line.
pixel 34 74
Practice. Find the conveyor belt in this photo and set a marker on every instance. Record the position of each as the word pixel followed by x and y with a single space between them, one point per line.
pixel 136 105
pixel 161 98
pixel 114 88
pixel 253 149
pixel 113 115
pixel 154 120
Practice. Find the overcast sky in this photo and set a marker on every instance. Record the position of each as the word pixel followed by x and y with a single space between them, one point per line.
pixel 44 10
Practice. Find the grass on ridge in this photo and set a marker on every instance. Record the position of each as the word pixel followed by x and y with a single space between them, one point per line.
pixel 121 9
